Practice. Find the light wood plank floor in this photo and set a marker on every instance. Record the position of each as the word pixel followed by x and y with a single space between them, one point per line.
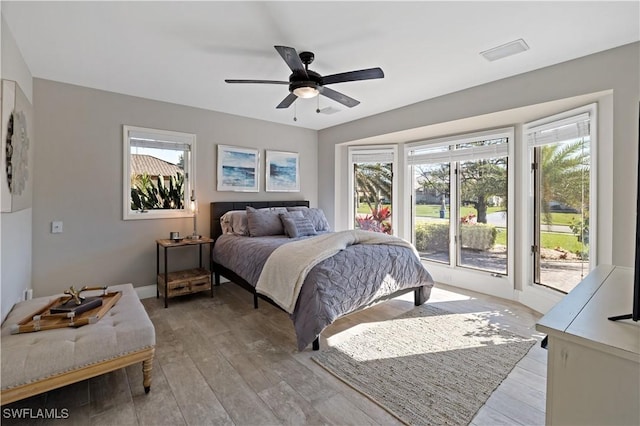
pixel 219 361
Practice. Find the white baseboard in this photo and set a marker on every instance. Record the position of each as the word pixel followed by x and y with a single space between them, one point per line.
pixel 146 291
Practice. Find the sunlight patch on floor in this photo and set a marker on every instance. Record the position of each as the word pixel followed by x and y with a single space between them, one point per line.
pixel 450 332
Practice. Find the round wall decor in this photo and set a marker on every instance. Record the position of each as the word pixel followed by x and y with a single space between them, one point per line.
pixel 16 153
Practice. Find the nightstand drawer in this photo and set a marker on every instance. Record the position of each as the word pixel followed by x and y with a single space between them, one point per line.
pixel 185 282
pixel 201 284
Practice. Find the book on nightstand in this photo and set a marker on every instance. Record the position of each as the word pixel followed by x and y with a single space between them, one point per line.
pixel 70 306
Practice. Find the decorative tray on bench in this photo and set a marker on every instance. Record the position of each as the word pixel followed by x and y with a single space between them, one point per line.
pixel 43 319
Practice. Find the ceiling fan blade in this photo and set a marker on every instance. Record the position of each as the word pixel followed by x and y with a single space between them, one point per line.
pixel 368 74
pixel 292 59
pixel 286 102
pixel 258 81
pixel 338 97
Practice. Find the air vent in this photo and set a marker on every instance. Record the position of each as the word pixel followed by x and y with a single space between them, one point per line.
pixel 328 110
pixel 505 50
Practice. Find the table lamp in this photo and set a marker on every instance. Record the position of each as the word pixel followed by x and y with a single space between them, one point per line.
pixel 193 206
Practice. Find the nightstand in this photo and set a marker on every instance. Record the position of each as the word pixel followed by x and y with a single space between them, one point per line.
pixel 178 283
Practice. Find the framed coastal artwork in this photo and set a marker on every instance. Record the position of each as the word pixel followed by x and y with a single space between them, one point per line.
pixel 282 171
pixel 238 169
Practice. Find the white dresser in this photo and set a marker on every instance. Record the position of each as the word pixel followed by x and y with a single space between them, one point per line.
pixel 593 371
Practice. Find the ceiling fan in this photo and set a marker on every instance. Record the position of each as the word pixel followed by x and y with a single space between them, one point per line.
pixel 305 83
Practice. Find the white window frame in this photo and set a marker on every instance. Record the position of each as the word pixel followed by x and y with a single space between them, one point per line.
pixel 373 151
pixel 473 279
pixel 158 138
pixel 533 290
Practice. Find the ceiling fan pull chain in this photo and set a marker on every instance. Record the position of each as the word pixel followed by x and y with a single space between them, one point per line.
pixel 318 106
pixel 295 112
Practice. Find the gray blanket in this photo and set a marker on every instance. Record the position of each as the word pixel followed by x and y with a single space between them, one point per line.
pixel 353 278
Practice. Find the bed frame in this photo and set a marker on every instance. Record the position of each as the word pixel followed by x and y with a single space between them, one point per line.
pixel 218 209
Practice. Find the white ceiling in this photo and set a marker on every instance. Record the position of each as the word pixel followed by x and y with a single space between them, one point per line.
pixel 181 52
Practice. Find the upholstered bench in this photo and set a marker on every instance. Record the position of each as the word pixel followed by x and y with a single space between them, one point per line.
pixel 37 362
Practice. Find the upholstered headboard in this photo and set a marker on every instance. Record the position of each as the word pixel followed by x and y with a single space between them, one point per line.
pixel 220 208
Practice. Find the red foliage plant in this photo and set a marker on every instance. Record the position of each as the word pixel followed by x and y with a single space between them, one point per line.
pixel 469 219
pixel 377 221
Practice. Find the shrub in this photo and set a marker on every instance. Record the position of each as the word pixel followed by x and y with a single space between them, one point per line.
pixel 147 195
pixel 480 236
pixel 433 236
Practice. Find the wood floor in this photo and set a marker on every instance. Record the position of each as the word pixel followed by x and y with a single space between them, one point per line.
pixel 219 361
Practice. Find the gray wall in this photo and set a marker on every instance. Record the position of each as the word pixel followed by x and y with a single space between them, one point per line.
pixel 79 181
pixel 616 69
pixel 15 228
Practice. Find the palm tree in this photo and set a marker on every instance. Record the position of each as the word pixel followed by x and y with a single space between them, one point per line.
pixel 564 175
pixel 373 182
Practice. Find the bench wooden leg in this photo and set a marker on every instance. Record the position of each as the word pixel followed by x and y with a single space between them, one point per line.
pixel 147 365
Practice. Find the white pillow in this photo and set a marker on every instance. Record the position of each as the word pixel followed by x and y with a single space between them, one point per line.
pixel 235 222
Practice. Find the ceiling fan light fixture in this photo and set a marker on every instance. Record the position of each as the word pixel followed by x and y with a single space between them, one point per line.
pixel 306 92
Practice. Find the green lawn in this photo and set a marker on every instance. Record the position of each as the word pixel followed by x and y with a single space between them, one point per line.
pixel 566 241
pixel 563 218
pixel 550 240
pixel 433 210
pixel 430 210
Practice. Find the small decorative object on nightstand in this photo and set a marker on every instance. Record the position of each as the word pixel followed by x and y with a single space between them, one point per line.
pixel 177 283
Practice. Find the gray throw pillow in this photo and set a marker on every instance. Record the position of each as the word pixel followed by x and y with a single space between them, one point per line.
pixel 297 225
pixel 315 215
pixel 263 223
pixel 292 214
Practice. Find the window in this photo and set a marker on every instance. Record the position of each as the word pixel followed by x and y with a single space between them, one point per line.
pixel 373 188
pixel 157 173
pixel 563 220
pixel 460 200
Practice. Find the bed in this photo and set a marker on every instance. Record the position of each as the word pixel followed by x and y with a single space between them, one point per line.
pixel 351 279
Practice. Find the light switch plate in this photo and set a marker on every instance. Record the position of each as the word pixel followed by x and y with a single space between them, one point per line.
pixel 56 227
